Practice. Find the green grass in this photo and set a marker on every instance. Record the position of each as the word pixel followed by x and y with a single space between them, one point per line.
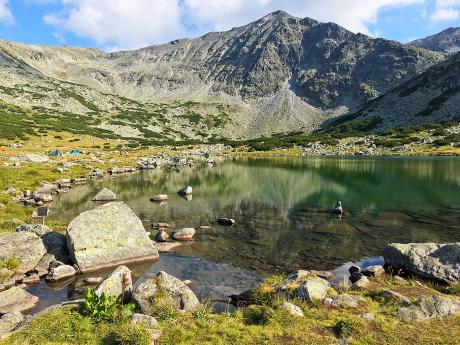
pixel 10 263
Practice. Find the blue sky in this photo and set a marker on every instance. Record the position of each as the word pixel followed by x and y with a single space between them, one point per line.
pixel 129 24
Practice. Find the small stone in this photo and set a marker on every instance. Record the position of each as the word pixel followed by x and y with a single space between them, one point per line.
pixel 354 269
pixel 160 225
pixel 187 190
pixel 368 316
pixel 60 273
pixel 187 281
pixel 346 300
pixel 93 280
pixel 161 236
pixel 312 289
pixel 155 335
pixel 159 198
pixel 105 195
pixel 18 277
pixel 145 320
pixel 361 283
pixel 373 271
pixel 185 234
pixel 31 279
pixel 392 295
pixel 226 221
pixel 293 309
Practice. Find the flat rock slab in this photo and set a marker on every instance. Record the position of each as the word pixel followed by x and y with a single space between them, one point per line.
pixel 26 246
pixel 427 308
pixel 108 235
pixel 435 261
pixel 8 322
pixel 165 247
pixel 16 299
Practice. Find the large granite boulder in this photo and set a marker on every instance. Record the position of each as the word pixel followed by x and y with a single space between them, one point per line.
pixel 427 308
pixel 313 289
pixel 26 246
pixel 439 262
pixel 117 284
pixel 108 235
pixel 16 299
pixel 166 289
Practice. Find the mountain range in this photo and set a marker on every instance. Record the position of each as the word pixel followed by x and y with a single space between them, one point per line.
pixel 277 74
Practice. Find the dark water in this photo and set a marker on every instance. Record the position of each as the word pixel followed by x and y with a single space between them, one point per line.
pixel 279 207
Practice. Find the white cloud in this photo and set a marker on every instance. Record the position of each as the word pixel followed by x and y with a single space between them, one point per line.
pixel 5 12
pixel 445 10
pixel 136 23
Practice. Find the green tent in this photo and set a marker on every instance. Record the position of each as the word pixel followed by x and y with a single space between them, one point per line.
pixel 54 153
pixel 75 152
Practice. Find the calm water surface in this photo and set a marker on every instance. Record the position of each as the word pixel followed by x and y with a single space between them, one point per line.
pixel 280 208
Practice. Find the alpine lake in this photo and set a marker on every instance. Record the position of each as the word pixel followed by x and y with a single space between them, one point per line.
pixel 282 208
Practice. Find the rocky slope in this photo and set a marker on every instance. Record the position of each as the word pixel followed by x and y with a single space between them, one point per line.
pixel 431 97
pixel 277 74
pixel 447 41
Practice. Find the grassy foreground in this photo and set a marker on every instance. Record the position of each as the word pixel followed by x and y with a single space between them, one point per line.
pixel 266 322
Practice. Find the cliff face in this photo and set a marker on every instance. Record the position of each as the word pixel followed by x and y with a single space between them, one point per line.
pixel 447 41
pixel 277 74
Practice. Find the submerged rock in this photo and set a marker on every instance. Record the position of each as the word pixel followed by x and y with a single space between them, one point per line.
pixel 26 246
pixel 16 299
pixel 108 235
pixel 105 195
pixel 434 261
pixel 427 308
pixel 159 198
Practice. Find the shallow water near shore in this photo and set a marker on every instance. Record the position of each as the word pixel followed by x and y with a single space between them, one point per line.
pixel 281 207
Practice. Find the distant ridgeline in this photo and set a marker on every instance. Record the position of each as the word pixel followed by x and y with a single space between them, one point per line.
pixel 289 79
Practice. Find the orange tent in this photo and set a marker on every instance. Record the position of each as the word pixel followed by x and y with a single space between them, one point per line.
pixel 2 149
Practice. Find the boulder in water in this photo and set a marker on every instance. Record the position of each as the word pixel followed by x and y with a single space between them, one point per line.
pixel 185 234
pixel 440 262
pixel 105 195
pixel 187 190
pixel 106 236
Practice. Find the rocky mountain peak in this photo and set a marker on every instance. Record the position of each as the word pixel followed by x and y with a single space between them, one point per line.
pixel 447 41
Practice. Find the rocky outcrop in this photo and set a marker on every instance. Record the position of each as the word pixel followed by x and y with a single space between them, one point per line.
pixel 8 322
pixel 427 308
pixel 26 246
pixel 117 284
pixel 16 299
pixel 440 262
pixel 165 289
pixel 108 235
pixel 105 195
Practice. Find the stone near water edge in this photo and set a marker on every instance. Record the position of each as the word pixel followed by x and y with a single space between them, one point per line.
pixel 430 307
pixel 160 225
pixel 43 265
pixel 93 280
pixel 105 195
pixel 354 269
pixel 106 236
pixel 166 247
pixel 31 279
pixel 226 221
pixel 8 322
pixel 185 234
pixel 187 190
pixel 25 246
pixel 361 283
pixel 60 272
pixel 145 320
pixel 161 236
pixel 293 309
pixel 16 299
pixel 373 271
pixel 117 284
pixel 173 292
pixel 159 198
pixel 37 229
pixel 313 289
pixel 440 262
pixel 346 300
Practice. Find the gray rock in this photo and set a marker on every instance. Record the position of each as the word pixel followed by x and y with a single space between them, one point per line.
pixel 293 309
pixel 395 296
pixel 346 300
pixel 361 283
pixel 143 319
pixel 185 190
pixel 8 322
pixel 313 289
pixel 427 308
pixel 368 316
pixel 31 279
pixel 105 195
pixel 161 236
pixel 26 246
pixel 117 284
pixel 373 271
pixel 155 335
pixel 43 265
pixel 173 292
pixel 33 158
pixel 60 272
pixel 37 229
pixel 108 235
pixel 185 234
pixel 93 280
pixel 439 262
pixel 16 299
